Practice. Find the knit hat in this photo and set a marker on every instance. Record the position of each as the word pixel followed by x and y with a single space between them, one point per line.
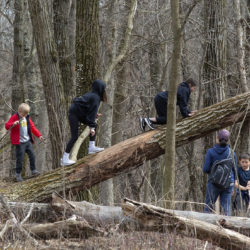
pixel 223 135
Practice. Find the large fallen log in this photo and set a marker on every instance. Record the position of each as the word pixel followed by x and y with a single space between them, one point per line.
pixel 97 215
pixel 156 218
pixel 94 214
pixel 128 154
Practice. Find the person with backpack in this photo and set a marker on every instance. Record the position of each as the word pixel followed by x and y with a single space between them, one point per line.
pixel 219 165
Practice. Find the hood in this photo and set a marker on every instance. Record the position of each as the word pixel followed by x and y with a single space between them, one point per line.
pixel 220 150
pixel 185 85
pixel 98 87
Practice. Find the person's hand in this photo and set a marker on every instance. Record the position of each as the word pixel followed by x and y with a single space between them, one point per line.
pixel 41 138
pixel 92 131
pixel 98 115
pixel 15 123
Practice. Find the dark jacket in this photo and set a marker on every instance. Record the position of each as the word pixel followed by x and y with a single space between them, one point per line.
pixel 15 131
pixel 244 176
pixel 87 105
pixel 217 153
pixel 183 94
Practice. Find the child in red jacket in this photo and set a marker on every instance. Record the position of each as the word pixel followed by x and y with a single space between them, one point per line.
pixel 21 132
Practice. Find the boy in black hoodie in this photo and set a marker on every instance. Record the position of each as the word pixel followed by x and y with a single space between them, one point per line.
pixel 161 101
pixel 84 109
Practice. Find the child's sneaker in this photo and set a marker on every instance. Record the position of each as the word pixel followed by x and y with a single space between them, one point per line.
pixel 94 149
pixel 34 172
pixel 149 123
pixel 142 124
pixel 19 178
pixel 65 161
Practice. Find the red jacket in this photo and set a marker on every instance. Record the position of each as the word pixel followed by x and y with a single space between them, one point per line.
pixel 15 131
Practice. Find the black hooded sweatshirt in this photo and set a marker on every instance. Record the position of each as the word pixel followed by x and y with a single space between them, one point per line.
pixel 87 105
pixel 183 94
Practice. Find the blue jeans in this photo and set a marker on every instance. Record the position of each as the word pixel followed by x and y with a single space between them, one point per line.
pixel 225 198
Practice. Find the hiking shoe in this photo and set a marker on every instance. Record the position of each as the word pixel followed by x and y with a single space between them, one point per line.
pixel 93 150
pixel 34 172
pixel 142 124
pixel 19 178
pixel 149 123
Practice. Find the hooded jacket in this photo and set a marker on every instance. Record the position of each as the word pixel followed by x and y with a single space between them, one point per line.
pixel 15 131
pixel 217 153
pixel 87 105
pixel 183 94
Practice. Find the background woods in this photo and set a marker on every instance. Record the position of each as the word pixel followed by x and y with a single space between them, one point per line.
pixel 51 51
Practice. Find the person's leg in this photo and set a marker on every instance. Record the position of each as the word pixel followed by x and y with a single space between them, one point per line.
pixel 32 158
pixel 212 194
pixel 20 151
pixel 73 123
pixel 161 109
pixel 225 200
pixel 92 147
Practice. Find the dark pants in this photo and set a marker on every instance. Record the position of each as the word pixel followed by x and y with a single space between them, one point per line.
pixel 161 109
pixel 74 129
pixel 212 195
pixel 21 149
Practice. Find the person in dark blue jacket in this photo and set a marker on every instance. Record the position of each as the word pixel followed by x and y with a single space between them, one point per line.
pixel 219 152
pixel 243 186
pixel 84 110
pixel 161 99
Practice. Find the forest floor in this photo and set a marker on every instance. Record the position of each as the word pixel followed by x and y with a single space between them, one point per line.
pixel 122 241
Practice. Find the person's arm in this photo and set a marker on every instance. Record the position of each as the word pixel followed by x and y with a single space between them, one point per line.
pixel 34 130
pixel 11 122
pixel 183 96
pixel 240 186
pixel 207 163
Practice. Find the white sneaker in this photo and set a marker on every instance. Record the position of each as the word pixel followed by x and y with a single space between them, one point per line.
pixel 93 150
pixel 65 161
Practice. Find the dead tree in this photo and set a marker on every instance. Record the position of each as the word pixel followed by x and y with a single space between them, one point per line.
pixel 157 218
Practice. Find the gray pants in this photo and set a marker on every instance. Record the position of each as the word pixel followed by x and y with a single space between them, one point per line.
pixel 21 149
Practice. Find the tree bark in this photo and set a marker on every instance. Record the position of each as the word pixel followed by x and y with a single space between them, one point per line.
pixel 50 72
pixel 61 9
pixel 161 219
pixel 128 154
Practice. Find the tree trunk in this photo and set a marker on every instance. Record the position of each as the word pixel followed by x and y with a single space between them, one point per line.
pixel 128 154
pixel 86 51
pixel 51 77
pixel 17 95
pixel 169 164
pixel 160 219
pixel 61 9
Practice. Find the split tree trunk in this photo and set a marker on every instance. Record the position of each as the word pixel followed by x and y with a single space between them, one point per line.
pixel 160 219
pixel 129 154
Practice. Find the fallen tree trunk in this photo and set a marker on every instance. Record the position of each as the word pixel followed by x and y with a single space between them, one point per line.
pixel 129 154
pixel 97 215
pixel 160 219
pixel 94 214
pixel 70 228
